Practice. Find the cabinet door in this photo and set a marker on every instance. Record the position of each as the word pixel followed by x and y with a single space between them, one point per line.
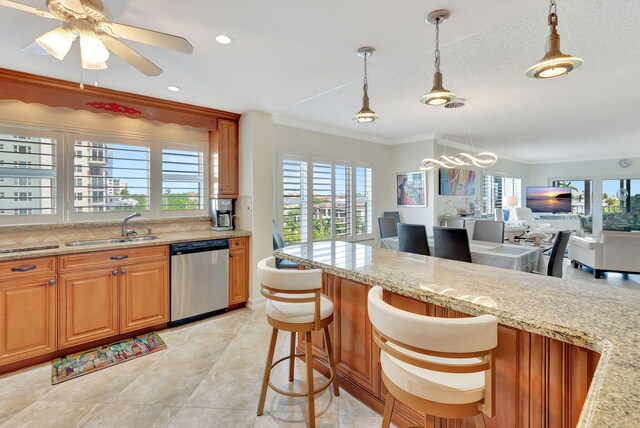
pixel 27 318
pixel 144 295
pixel 227 158
pixel 87 306
pixel 238 275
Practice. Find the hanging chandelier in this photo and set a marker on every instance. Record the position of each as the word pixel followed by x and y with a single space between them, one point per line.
pixel 481 160
pixel 365 115
pixel 554 63
pixel 438 95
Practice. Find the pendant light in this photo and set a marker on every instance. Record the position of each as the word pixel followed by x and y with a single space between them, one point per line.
pixel 365 115
pixel 554 63
pixel 438 95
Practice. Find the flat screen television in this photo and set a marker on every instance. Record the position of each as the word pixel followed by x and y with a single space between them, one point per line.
pixel 549 199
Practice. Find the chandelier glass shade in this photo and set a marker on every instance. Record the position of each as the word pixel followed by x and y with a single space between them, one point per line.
pixel 365 114
pixel 57 42
pixel 438 95
pixel 92 49
pixel 481 160
pixel 554 63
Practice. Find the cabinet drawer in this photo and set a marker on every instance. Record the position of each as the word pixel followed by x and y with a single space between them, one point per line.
pixel 27 268
pixel 119 257
pixel 237 243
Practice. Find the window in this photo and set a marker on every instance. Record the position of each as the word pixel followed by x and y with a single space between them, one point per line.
pixel 581 195
pixel 621 204
pixel 495 190
pixel 121 170
pixel 78 196
pixel 340 206
pixel 182 180
pixel 29 173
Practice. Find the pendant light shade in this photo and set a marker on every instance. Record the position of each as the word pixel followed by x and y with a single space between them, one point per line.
pixel 92 49
pixel 554 63
pixel 57 42
pixel 438 95
pixel 365 115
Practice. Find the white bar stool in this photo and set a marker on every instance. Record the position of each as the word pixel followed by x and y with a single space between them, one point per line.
pixel 441 367
pixel 295 304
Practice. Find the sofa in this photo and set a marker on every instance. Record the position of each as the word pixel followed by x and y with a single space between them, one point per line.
pixel 612 251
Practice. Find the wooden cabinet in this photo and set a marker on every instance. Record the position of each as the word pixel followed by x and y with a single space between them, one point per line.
pixel 238 271
pixel 27 318
pixel 224 159
pixel 144 295
pixel 110 292
pixel 87 306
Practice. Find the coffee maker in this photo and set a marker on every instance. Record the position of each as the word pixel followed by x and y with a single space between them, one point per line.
pixel 222 214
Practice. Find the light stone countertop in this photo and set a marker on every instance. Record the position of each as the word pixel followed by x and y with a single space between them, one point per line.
pixel 599 317
pixel 163 239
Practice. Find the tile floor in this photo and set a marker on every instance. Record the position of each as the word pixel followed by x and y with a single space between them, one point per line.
pixel 208 377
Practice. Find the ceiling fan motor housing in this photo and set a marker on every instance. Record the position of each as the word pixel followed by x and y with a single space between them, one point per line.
pixel 93 11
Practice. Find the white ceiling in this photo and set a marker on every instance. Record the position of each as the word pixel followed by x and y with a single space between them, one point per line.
pixel 296 59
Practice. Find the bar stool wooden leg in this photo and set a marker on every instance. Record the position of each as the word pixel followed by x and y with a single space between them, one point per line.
pixel 332 364
pixel 479 421
pixel 267 370
pixel 388 410
pixel 292 352
pixel 310 386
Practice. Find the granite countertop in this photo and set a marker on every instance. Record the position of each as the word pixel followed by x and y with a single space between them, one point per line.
pixel 163 239
pixel 600 317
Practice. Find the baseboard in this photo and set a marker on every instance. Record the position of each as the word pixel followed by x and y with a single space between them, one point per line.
pixel 257 303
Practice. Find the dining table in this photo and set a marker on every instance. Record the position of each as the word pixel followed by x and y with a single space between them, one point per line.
pixel 523 258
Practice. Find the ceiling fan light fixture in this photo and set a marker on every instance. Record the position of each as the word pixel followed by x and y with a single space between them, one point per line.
pixel 94 65
pixel 554 63
pixel 57 42
pixel 365 115
pixel 92 49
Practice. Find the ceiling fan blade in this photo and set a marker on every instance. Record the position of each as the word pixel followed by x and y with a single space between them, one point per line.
pixel 148 37
pixel 132 57
pixel 35 49
pixel 25 8
pixel 73 5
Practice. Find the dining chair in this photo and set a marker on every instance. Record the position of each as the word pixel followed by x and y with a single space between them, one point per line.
pixel 556 258
pixel 395 215
pixel 451 243
pixel 452 222
pixel 278 242
pixel 488 230
pixel 412 238
pixel 388 228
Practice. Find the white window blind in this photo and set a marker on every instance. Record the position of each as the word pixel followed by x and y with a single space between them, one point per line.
pixel 28 174
pixel 322 205
pixel 110 177
pixel 294 201
pixel 343 201
pixel 364 201
pixel 182 180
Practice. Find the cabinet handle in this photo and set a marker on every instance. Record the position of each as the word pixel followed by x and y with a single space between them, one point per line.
pixel 52 281
pixel 123 271
pixel 119 257
pixel 24 269
pixel 115 272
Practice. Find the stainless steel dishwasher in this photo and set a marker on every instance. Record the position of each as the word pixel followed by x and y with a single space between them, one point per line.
pixel 199 279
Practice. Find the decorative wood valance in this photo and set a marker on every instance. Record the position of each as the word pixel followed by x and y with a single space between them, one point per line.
pixel 32 88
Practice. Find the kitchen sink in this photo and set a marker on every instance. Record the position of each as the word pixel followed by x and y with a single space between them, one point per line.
pixel 111 241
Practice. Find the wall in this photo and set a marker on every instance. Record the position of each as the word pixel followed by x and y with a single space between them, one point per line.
pixel 302 142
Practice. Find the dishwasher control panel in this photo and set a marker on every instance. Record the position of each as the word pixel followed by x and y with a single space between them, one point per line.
pixel 208 245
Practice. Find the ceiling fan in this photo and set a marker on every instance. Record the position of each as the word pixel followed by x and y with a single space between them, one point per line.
pixel 88 20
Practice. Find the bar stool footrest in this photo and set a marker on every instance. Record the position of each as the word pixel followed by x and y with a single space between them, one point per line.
pixel 317 390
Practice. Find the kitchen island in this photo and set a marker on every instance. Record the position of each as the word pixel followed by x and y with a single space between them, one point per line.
pixel 568 351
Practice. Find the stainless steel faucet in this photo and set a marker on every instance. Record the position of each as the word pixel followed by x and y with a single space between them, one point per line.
pixel 126 232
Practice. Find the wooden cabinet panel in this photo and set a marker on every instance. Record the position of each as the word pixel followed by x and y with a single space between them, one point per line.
pixel 14 270
pixel 27 318
pixel 238 273
pixel 228 158
pixel 144 295
pixel 353 335
pixel 87 306
pixel 111 258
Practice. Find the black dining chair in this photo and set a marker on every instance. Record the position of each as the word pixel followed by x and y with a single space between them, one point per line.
pixel 388 227
pixel 412 238
pixel 278 242
pixel 488 230
pixel 556 258
pixel 395 215
pixel 451 243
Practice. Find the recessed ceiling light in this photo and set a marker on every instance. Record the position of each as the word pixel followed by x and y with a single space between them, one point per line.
pixel 173 88
pixel 223 39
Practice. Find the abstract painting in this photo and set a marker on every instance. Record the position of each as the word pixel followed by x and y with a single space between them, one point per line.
pixel 410 189
pixel 457 182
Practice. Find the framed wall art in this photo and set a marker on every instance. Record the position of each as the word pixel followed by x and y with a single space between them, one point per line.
pixel 410 189
pixel 456 181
